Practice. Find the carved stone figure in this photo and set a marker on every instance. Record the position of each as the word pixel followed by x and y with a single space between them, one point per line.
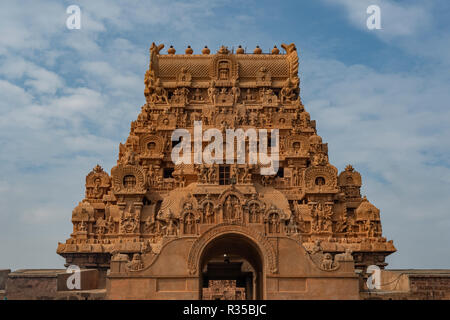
pixel 136 263
pixel 189 224
pixel 208 212
pixel 161 210
pixel 274 223
pixel 212 93
pixel 327 262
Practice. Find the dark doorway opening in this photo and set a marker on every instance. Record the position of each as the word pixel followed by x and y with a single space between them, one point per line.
pixel 232 269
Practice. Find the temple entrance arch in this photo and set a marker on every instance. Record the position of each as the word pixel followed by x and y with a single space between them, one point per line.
pixel 231 268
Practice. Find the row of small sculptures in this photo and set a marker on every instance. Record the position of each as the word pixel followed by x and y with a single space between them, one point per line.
pixel 256 118
pixel 321 222
pixel 215 95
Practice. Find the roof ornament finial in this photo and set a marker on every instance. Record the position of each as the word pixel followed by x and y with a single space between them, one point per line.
pixel 240 50
pixel 223 50
pixel 171 50
pixel 206 50
pixel 189 50
pixel 275 50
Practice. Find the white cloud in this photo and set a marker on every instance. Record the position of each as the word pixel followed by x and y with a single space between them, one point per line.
pixel 411 26
pixel 397 19
pixel 67 99
pixel 394 129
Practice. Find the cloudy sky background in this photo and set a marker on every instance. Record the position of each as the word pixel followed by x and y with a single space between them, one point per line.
pixel 380 98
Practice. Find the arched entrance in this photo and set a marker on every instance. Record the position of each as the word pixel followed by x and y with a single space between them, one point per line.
pixel 231 267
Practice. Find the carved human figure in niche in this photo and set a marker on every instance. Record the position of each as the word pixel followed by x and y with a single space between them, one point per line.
pixel 160 94
pixel 172 228
pixel 327 213
pixel 181 95
pixel 110 225
pixel 249 96
pixel 269 116
pixel 234 173
pixel 212 92
pixel 296 147
pixel 211 174
pixel 82 226
pixel 97 191
pixel 254 213
pixel 245 175
pixel 197 96
pixel 189 224
pixel 228 209
pixel 130 157
pixel 129 222
pixel 316 220
pixel 208 212
pixel 274 223
pixel 100 225
pixel 236 209
pixel 150 175
pixel 327 262
pixel 294 176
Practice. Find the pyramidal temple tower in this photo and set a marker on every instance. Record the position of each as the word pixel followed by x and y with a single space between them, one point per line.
pixel 161 230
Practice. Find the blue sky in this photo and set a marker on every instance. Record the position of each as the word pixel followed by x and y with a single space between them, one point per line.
pixel 380 98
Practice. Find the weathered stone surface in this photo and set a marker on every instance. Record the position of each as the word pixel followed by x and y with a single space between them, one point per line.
pixel 3 277
pixel 411 284
pixel 49 284
pixel 158 225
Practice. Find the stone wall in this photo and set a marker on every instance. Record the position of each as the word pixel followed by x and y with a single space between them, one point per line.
pixel 3 277
pixel 411 284
pixel 51 284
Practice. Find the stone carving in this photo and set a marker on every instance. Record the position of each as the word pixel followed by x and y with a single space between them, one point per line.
pixel 97 183
pixel 136 263
pixel 346 256
pixel 273 223
pixel 266 247
pixel 208 211
pixel 223 290
pixel 184 78
pixel 263 77
pixel 288 93
pixel 180 97
pixel 321 217
pixel 207 174
pixel 189 224
pixel 143 204
pixel 159 94
pixel 292 228
pixel 129 222
pixel 231 208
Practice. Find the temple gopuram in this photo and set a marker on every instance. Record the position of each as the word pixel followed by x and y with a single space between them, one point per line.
pixel 160 230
